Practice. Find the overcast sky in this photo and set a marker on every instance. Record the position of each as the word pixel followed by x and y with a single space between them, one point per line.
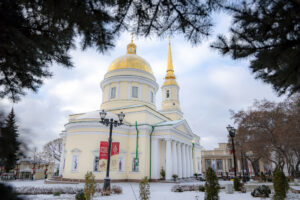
pixel 210 85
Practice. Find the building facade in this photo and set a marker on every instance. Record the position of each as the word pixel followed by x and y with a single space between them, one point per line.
pixel 221 160
pixel 148 141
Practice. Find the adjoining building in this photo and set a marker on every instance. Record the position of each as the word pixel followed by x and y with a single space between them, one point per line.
pixel 33 170
pixel 150 140
pixel 221 160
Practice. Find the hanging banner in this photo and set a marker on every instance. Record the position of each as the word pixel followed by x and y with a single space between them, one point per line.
pixel 103 150
pixel 102 165
pixel 115 149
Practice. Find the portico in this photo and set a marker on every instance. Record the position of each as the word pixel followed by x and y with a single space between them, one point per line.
pixel 172 155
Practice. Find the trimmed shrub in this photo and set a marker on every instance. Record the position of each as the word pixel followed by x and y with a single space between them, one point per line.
pixel 237 185
pixel 211 186
pixel 261 191
pixel 184 188
pixel 116 189
pixel 89 185
pixel 281 185
pixel 80 195
pixel 144 189
pixel 162 173
pixel 175 176
pixel 201 188
pixel 56 194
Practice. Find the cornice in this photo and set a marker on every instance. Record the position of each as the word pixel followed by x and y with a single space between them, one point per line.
pixel 129 78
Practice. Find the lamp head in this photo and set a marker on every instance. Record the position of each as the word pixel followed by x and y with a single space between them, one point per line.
pixel 102 115
pixel 231 131
pixel 121 117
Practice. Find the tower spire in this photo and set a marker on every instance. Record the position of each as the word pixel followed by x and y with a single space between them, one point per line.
pixel 170 70
pixel 170 78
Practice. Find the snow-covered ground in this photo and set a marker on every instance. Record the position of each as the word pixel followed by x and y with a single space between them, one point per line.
pixel 159 191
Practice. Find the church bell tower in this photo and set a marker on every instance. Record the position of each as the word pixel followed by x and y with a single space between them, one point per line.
pixel 170 92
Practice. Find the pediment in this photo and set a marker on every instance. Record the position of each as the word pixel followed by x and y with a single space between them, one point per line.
pixel 183 127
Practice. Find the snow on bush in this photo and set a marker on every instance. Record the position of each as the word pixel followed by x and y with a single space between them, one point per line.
pixel 48 190
pixel 183 188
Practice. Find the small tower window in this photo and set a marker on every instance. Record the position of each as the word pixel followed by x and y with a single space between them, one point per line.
pixel 168 94
pixel 151 97
pixel 130 49
pixel 113 92
pixel 135 93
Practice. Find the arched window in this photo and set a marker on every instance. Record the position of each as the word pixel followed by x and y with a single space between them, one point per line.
pixel 168 94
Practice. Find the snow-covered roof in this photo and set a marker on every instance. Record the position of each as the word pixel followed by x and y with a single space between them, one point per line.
pixel 96 115
pixel 169 123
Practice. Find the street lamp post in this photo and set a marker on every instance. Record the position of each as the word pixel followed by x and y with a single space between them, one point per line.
pixel 111 123
pixel 231 132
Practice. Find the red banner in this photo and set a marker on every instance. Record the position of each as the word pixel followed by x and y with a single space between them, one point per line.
pixel 103 150
pixel 115 147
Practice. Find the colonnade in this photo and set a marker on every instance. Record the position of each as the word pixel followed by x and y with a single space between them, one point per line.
pixel 173 156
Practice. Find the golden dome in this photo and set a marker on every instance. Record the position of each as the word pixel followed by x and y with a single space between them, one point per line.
pixel 130 61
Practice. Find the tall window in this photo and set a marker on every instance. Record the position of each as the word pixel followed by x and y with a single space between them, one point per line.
pixel 168 94
pixel 207 163
pixel 219 165
pixel 74 165
pixel 121 164
pixel 151 97
pixel 96 164
pixel 135 92
pixel 135 164
pixel 113 92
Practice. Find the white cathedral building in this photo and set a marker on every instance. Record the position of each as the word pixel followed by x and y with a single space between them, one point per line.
pixel 149 140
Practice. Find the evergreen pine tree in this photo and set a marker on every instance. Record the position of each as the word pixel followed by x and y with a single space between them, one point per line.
pixel 212 185
pixel 10 148
pixel 144 189
pixel 34 34
pixel 280 183
pixel 267 32
pixel 90 185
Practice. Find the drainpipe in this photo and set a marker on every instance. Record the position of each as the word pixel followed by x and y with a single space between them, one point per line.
pixel 151 150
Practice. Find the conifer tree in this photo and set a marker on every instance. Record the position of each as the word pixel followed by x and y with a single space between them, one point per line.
pixel 89 186
pixel 212 185
pixel 144 189
pixel 35 34
pixel 10 144
pixel 267 32
pixel 280 183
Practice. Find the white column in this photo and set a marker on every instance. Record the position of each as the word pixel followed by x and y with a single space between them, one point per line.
pixel 62 156
pixel 192 163
pixel 188 170
pixel 183 155
pixel 163 150
pixel 129 90
pixel 168 160
pixel 179 160
pixel 140 92
pixel 155 159
pixel 118 90
pixel 174 158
